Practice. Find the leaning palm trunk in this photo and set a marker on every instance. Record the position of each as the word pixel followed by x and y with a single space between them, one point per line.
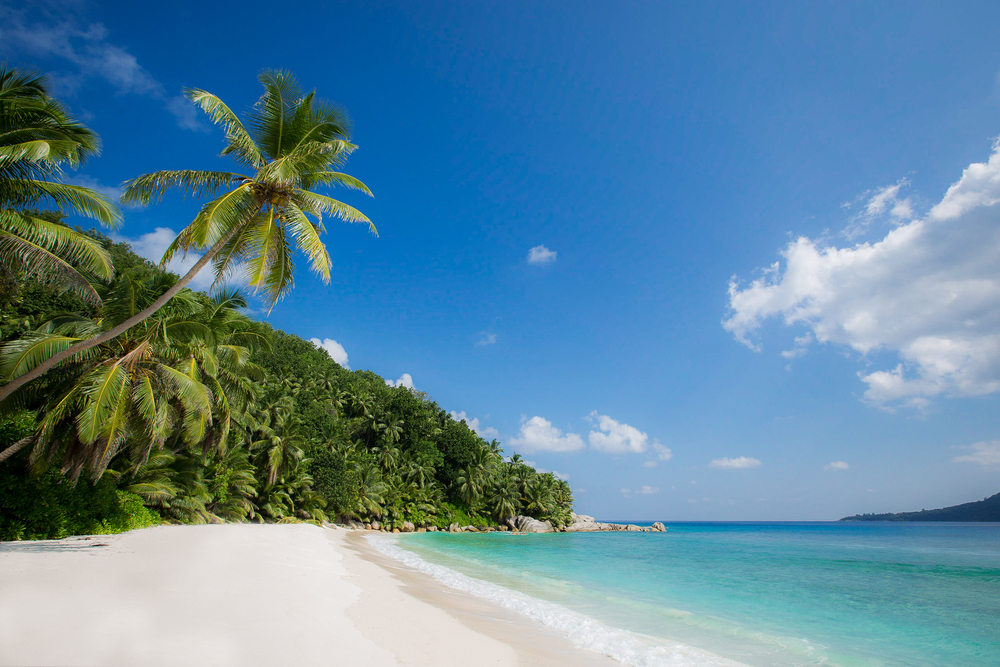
pixel 294 142
pixel 84 345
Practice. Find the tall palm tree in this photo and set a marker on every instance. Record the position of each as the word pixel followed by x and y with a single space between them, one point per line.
pixel 292 143
pixel 136 391
pixel 37 137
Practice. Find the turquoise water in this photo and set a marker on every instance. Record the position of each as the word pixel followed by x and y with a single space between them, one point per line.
pixel 759 594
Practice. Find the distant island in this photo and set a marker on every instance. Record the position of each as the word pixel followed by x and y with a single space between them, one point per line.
pixel 987 509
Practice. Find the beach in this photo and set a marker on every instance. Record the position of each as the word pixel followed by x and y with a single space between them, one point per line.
pixel 247 594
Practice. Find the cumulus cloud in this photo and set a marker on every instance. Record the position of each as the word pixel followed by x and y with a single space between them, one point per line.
pixel 541 255
pixel 539 435
pixel 615 437
pixel 740 462
pixel 155 243
pixel 487 339
pixel 836 465
pixel 90 54
pixel 986 454
pixel 663 453
pixel 334 349
pixel 486 432
pixel 405 380
pixel 928 291
pixel 642 491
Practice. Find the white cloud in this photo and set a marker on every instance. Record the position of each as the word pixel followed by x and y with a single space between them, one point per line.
pixel 485 432
pixel 734 464
pixel 334 349
pixel 541 255
pixel 662 452
pixel 487 339
pixel 615 437
pixel 154 244
pixel 539 435
pixel 836 465
pixel 929 291
pixel 878 203
pixel 642 491
pixel 90 53
pixel 405 380
pixel 986 454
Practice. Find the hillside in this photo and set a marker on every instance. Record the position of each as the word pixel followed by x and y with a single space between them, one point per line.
pixel 987 509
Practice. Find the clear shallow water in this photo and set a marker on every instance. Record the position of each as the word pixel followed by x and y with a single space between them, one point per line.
pixel 759 594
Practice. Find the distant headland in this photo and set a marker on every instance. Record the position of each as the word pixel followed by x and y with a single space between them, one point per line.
pixel 987 509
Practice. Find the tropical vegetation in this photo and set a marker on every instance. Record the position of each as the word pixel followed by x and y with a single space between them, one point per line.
pixel 180 408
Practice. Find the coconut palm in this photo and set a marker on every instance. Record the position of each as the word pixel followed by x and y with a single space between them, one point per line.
pixel 37 137
pixel 136 391
pixel 292 143
pixel 506 499
pixel 371 490
pixel 182 376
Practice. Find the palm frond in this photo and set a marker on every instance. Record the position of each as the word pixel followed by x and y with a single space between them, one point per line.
pixel 21 355
pixel 78 198
pixel 143 189
pixel 217 217
pixel 318 204
pixel 70 245
pixel 307 238
pixel 330 177
pixel 241 146
pixel 40 263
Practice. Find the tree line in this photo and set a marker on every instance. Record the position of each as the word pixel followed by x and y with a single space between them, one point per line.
pixel 128 399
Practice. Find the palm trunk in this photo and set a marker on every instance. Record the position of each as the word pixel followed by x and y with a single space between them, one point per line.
pixel 42 368
pixel 15 448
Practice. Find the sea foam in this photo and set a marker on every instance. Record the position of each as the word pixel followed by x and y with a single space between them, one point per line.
pixel 626 647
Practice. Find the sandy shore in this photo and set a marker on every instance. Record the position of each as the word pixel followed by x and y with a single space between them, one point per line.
pixel 249 595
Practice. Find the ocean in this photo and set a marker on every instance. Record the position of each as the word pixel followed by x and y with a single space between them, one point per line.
pixel 756 594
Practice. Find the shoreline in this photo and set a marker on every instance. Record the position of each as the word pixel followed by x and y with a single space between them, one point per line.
pixel 533 643
pixel 248 594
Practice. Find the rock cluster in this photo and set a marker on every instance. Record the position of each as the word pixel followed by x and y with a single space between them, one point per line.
pixel 581 523
pixel 525 524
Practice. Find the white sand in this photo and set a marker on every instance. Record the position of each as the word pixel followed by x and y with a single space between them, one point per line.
pixel 248 595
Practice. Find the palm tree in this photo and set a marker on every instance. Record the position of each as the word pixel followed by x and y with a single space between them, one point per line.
pixel 371 490
pixel 506 498
pixel 279 446
pixel 37 136
pixel 294 144
pixel 182 376
pixel 130 392
pixel 469 486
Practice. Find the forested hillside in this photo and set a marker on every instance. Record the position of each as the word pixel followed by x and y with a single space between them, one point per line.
pixel 987 509
pixel 200 414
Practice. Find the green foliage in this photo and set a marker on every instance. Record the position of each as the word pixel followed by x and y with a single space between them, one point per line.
pixel 198 414
pixel 48 506
pixel 337 481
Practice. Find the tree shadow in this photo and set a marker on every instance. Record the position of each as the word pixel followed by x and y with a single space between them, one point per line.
pixel 68 544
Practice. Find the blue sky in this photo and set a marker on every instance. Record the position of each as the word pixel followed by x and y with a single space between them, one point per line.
pixel 580 207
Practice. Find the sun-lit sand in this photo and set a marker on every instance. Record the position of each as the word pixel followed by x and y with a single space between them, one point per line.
pixel 248 595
